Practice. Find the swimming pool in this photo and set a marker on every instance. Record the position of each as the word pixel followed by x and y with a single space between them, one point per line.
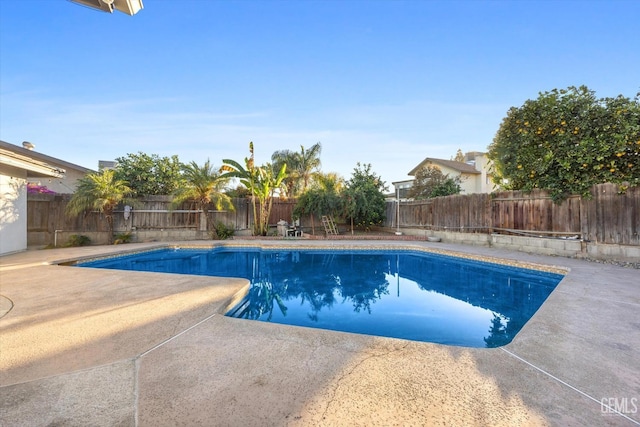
pixel 407 294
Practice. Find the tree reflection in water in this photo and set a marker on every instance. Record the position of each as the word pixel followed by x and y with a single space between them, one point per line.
pixel 318 280
pixel 362 280
pixel 444 299
pixel 262 296
pixel 498 332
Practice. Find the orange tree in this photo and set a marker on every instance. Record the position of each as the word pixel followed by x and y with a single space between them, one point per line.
pixel 363 200
pixel 566 141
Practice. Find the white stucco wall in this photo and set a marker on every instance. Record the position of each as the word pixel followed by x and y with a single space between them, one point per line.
pixel 13 210
pixel 484 183
pixel 468 182
pixel 477 183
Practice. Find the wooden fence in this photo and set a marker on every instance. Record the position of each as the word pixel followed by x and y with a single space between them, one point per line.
pixel 607 217
pixel 469 214
pixel 46 214
pixel 610 217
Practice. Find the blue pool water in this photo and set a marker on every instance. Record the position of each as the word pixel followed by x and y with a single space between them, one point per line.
pixel 402 294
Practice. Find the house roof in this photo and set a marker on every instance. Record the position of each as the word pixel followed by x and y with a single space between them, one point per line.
pixel 36 164
pixel 130 7
pixel 404 181
pixel 458 166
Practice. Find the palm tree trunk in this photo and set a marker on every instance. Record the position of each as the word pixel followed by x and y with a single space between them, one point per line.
pixel 203 220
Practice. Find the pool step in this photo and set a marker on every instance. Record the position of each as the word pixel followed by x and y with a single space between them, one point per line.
pixel 240 309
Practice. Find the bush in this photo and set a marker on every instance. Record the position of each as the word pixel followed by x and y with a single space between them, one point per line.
pixel 77 240
pixel 122 238
pixel 222 231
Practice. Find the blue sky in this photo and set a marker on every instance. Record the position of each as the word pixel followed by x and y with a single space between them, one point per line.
pixel 381 82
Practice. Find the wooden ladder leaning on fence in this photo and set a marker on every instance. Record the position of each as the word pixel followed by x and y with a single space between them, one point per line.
pixel 329 225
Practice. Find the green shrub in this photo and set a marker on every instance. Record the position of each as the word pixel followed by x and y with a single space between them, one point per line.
pixel 222 231
pixel 122 238
pixel 77 240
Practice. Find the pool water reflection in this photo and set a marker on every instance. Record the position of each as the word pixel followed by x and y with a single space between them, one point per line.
pixel 402 294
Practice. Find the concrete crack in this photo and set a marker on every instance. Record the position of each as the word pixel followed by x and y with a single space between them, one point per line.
pixel 352 370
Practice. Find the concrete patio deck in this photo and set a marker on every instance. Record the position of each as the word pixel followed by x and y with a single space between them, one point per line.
pixel 115 348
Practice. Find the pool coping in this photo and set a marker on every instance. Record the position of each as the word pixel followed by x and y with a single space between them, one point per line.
pixel 559 370
pixel 341 246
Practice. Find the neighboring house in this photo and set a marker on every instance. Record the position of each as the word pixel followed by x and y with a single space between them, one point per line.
pixel 19 166
pixel 401 189
pixel 66 184
pixel 474 173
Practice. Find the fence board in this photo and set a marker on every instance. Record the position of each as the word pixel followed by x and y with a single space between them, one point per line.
pixel 282 210
pixel 612 217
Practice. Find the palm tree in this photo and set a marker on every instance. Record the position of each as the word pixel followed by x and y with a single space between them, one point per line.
pixel 308 163
pixel 262 182
pixel 301 166
pixel 102 192
pixel 203 184
pixel 330 181
pixel 289 158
